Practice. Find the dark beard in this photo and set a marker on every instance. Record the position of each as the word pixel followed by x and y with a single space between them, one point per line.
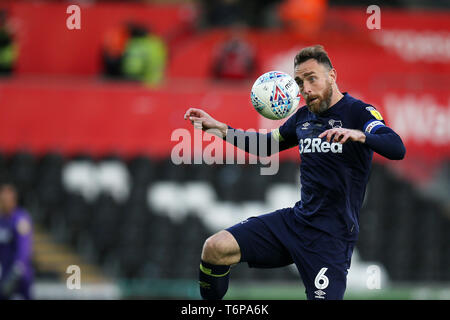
pixel 325 102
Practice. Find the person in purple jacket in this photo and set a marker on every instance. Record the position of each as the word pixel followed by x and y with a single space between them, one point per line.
pixel 16 274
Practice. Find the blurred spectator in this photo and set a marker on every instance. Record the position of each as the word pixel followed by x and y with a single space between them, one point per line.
pixel 186 29
pixel 224 13
pixel 15 246
pixel 261 13
pixel 113 50
pixel 145 56
pixel 8 49
pixel 303 16
pixel 235 59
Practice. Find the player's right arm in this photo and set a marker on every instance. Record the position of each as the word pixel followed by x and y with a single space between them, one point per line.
pixel 259 144
pixel 202 120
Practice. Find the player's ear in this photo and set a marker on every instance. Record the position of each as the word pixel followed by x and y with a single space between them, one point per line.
pixel 333 75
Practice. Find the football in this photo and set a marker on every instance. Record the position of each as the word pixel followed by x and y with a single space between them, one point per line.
pixel 275 95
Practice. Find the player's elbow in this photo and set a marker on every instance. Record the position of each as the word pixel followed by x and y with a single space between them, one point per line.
pixel 399 152
pixel 400 155
pixel 398 148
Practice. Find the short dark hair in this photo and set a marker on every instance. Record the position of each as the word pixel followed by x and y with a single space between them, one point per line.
pixel 316 52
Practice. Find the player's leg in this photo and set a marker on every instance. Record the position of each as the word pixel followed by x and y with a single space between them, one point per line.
pixel 249 241
pixel 326 282
pixel 220 251
pixel 323 265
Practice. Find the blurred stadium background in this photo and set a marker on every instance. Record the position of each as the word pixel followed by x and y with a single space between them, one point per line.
pixel 85 134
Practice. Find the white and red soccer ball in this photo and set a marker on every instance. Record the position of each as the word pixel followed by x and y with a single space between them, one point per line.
pixel 275 95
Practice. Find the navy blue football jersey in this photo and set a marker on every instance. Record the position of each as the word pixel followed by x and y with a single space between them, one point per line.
pixel 333 176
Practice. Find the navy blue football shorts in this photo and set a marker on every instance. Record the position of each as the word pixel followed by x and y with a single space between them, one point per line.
pixel 278 239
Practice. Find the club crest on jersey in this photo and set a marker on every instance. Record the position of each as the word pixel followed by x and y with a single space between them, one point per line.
pixel 374 112
pixel 335 123
pixel 305 126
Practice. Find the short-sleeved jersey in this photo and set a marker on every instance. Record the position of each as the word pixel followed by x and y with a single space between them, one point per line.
pixel 333 176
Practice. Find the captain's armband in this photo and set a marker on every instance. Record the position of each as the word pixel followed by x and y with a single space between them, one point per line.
pixel 277 136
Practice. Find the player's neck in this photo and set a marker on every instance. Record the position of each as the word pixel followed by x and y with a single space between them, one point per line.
pixel 337 95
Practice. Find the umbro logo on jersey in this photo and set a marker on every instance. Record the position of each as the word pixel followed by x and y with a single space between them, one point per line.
pixel 309 145
pixel 319 294
pixel 305 126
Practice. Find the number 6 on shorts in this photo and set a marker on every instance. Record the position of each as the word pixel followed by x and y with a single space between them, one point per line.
pixel 321 281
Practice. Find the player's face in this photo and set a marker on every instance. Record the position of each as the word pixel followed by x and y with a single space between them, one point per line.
pixel 7 199
pixel 315 85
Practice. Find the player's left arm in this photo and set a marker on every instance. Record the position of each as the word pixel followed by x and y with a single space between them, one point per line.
pixel 374 133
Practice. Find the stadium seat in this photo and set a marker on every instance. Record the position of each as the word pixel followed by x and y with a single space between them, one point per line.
pixel 130 259
pixel 167 170
pixel 3 166
pixel 160 198
pixel 80 176
pixel 133 234
pixel 48 184
pixel 198 196
pixel 22 171
pixel 113 178
pixel 226 182
pixel 77 215
pixel 253 182
pixel 200 172
pixel 160 230
pixel 282 195
pixel 142 170
pixel 288 172
pixel 149 270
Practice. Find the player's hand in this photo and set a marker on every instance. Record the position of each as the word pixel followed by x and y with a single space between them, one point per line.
pixel 342 135
pixel 201 120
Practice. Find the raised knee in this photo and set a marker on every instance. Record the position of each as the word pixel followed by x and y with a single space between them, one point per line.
pixel 218 249
pixel 212 251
